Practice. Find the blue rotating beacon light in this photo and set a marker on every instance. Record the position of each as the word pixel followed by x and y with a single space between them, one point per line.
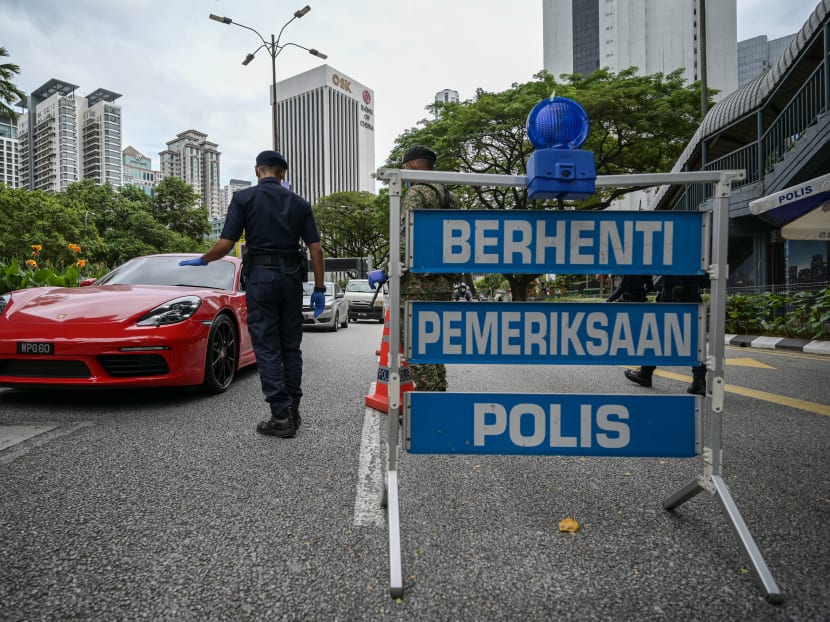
pixel 559 169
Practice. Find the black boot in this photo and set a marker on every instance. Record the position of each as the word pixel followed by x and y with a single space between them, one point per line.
pixel 698 386
pixel 281 426
pixel 640 376
pixel 295 416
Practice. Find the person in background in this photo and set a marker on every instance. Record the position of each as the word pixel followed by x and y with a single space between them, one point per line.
pixel 462 293
pixel 675 289
pixel 274 221
pixel 633 288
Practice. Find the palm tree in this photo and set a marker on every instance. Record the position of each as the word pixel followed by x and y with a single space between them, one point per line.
pixel 9 93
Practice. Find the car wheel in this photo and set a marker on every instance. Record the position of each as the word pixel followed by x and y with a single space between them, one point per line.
pixel 336 324
pixel 345 323
pixel 221 357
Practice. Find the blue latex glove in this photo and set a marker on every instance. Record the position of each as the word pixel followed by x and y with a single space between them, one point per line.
pixel 318 301
pixel 377 277
pixel 199 261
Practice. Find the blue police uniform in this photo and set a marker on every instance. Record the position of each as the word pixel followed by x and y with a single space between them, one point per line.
pixel 274 220
pixel 676 289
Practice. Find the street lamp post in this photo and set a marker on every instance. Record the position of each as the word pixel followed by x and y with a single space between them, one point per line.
pixel 273 48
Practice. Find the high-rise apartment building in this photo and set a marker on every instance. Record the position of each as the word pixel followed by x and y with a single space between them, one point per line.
pixel 64 138
pixel 138 171
pixel 194 159
pixel 326 132
pixel 446 96
pixel 8 152
pixel 581 36
pixel 227 192
pixel 758 54
pixel 100 138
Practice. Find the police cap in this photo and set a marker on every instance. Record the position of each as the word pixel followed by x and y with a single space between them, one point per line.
pixel 419 153
pixel 272 158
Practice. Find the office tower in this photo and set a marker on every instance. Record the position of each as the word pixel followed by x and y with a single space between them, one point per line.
pixel 138 171
pixel 581 36
pixel 64 138
pixel 8 152
pixel 195 160
pixel 656 36
pixel 758 54
pixel 326 132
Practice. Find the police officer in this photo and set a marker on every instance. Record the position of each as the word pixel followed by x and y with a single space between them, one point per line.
pixel 676 289
pixel 274 220
pixel 632 288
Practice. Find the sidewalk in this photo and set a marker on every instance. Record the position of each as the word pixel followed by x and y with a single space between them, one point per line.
pixel 815 346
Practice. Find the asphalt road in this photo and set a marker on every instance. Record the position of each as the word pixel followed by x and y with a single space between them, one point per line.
pixel 166 505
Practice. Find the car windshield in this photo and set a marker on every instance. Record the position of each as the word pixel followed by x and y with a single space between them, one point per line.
pixel 358 286
pixel 167 271
pixel 308 289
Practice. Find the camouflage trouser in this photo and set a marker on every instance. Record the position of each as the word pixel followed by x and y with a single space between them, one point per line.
pixel 429 377
pixel 432 377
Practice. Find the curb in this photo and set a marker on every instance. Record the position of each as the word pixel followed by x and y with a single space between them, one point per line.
pixel 815 346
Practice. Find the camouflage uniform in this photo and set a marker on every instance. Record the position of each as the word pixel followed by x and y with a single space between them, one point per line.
pixel 427 286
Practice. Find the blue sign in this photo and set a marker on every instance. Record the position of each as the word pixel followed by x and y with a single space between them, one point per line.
pixel 555 333
pixel 561 242
pixel 546 424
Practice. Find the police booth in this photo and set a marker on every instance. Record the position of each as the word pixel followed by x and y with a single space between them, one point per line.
pixel 566 242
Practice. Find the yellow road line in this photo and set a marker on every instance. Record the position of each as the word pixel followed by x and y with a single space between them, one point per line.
pixel 748 363
pixel 813 407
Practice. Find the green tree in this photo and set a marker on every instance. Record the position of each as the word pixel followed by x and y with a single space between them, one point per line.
pixel 9 93
pixel 354 224
pixel 640 124
pixel 177 206
pixel 36 218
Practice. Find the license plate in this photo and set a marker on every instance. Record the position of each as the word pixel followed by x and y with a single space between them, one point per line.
pixel 35 347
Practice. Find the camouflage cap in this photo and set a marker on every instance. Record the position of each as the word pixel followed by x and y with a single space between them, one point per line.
pixel 419 153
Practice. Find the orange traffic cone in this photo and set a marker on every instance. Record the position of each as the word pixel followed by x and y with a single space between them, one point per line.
pixel 379 400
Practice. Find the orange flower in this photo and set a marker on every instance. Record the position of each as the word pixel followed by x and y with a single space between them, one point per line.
pixel 74 248
pixel 81 263
pixel 31 263
pixel 37 247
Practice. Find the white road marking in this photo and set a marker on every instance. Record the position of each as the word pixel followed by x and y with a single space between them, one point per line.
pixel 367 509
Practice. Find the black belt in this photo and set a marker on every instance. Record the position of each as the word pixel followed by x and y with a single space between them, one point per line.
pixel 288 261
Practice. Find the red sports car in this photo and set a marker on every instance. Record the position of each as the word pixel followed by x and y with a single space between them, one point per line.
pixel 149 322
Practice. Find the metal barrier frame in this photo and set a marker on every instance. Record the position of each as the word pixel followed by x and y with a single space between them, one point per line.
pixel 711 479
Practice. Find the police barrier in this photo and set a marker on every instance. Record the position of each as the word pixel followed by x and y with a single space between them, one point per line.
pixel 579 425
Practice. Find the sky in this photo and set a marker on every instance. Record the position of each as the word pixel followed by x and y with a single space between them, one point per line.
pixel 177 70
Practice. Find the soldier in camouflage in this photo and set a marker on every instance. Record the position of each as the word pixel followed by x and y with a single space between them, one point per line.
pixel 422 195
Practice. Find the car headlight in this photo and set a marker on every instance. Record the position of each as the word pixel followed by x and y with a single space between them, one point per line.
pixel 171 312
pixel 5 299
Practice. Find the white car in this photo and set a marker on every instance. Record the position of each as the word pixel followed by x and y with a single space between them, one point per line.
pixel 364 302
pixel 336 312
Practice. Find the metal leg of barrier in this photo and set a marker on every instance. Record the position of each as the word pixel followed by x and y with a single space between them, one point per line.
pixel 393 518
pixel 757 564
pixel 683 495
